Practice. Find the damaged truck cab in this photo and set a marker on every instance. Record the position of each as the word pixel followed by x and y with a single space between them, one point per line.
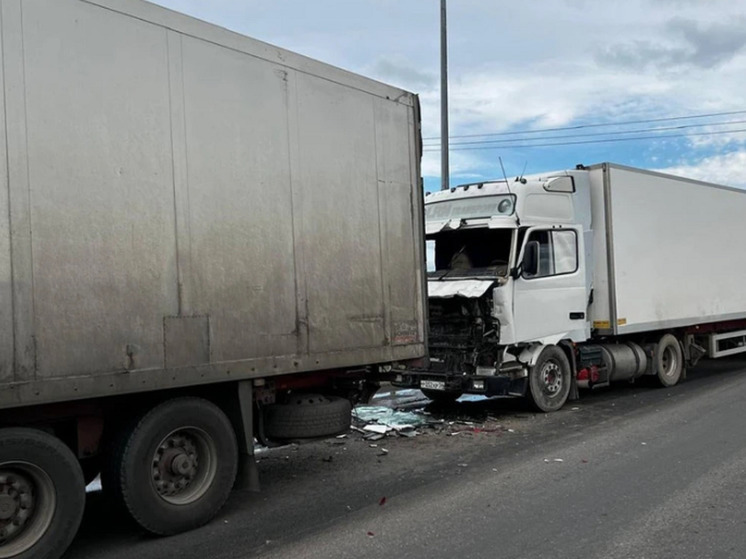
pixel 574 279
pixel 509 287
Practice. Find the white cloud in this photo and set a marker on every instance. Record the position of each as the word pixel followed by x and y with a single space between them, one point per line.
pixel 727 169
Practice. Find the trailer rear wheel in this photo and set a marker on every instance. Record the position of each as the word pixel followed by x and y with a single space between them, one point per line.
pixel 42 495
pixel 669 360
pixel 549 380
pixel 175 468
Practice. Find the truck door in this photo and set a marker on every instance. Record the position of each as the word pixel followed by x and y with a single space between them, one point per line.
pixel 550 290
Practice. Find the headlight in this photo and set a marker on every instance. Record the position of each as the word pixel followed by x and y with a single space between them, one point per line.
pixel 505 206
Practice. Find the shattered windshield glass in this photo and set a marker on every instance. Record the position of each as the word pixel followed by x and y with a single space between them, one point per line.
pixel 469 252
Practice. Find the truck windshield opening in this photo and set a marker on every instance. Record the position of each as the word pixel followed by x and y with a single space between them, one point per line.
pixel 471 252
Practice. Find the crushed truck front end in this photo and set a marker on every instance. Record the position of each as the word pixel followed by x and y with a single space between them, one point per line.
pixel 486 328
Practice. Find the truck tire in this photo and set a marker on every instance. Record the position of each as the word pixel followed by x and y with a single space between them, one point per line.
pixel 42 495
pixel 173 469
pixel 441 396
pixel 549 380
pixel 307 416
pixel 669 360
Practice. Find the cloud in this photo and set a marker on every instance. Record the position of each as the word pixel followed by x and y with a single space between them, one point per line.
pixel 685 42
pixel 403 74
pixel 724 168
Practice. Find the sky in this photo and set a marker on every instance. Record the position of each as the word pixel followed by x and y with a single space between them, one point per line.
pixel 539 84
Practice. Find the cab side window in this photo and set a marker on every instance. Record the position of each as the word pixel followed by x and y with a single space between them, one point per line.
pixel 558 252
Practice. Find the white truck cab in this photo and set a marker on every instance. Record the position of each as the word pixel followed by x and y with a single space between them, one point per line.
pixel 515 266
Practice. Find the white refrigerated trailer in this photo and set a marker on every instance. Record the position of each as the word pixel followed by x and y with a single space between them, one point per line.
pixel 203 239
pixel 580 278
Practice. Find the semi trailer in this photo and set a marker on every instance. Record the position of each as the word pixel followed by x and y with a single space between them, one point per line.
pixel 546 284
pixel 205 240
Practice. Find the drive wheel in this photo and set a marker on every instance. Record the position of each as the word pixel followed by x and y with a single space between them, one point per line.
pixel 669 360
pixel 549 380
pixel 174 469
pixel 42 495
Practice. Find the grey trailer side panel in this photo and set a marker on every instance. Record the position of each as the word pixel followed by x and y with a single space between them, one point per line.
pixel 19 212
pixel 399 221
pixel 240 202
pixel 189 206
pixel 192 27
pixel 101 184
pixel 345 296
pixel 6 275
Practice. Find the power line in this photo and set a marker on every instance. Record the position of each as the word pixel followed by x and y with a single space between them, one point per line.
pixel 599 141
pixel 593 125
pixel 595 134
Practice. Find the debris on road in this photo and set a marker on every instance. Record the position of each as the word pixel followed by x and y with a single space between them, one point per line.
pixel 382 420
pixel 376 428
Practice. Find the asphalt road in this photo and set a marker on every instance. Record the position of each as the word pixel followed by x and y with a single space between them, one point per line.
pixel 631 472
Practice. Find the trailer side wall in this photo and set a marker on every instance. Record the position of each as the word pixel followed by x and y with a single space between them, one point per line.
pixel 675 255
pixel 185 210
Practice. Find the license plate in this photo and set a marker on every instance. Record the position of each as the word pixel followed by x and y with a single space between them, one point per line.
pixel 433 384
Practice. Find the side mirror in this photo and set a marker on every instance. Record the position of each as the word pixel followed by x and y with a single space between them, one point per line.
pixel 530 264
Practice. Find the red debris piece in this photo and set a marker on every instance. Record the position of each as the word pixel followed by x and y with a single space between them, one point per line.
pixel 371 534
pixel 382 501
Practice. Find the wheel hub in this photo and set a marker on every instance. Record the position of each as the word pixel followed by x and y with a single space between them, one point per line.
pixel 669 362
pixel 551 378
pixel 17 504
pixel 8 507
pixel 175 465
pixel 182 465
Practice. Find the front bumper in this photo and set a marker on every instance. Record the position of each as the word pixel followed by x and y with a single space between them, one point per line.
pixel 494 385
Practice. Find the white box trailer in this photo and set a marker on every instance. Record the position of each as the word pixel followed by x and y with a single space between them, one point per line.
pixel 664 253
pixel 197 230
pixel 578 278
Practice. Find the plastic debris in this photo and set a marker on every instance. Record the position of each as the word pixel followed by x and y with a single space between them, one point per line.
pixel 553 460
pixel 371 534
pixel 387 421
pixel 376 428
pixel 472 398
pixel 388 416
pixel 382 501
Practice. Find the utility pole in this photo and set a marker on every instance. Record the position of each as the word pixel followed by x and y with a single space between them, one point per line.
pixel 444 167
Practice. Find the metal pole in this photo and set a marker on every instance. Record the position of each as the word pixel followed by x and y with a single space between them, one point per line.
pixel 444 168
